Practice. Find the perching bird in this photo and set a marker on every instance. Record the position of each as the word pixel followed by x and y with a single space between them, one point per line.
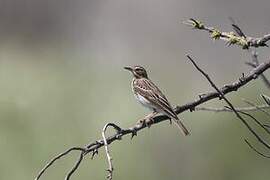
pixel 149 95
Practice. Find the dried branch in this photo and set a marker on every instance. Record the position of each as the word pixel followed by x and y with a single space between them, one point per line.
pixel 57 158
pixel 257 107
pixel 234 86
pixel 255 120
pixel 230 37
pixel 76 166
pixel 267 126
pixel 109 158
pixel 93 147
pixel 254 149
pixel 253 107
pixel 236 28
pixel 244 109
pixel 255 63
pixel 222 96
pixel 266 99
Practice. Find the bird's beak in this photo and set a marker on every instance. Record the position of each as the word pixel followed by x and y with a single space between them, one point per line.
pixel 128 68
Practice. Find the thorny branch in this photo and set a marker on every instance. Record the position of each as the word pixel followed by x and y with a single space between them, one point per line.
pixel 254 55
pixel 93 147
pixel 237 38
pixel 222 96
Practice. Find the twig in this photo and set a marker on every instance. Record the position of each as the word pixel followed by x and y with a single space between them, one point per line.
pixel 57 158
pixel 241 110
pixel 257 107
pixel 266 99
pixel 234 86
pixel 223 109
pixel 264 126
pixel 254 149
pixel 230 104
pixel 76 166
pixel 253 118
pixel 236 28
pixel 230 37
pixel 267 126
pixel 255 63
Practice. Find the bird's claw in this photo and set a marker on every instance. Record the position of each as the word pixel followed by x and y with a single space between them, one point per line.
pixel 149 121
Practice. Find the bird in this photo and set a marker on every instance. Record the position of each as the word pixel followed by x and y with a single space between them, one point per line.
pixel 150 96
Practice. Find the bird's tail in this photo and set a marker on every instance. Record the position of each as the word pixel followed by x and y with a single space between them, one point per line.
pixel 181 126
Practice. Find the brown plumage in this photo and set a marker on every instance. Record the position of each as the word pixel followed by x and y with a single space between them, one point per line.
pixel 150 96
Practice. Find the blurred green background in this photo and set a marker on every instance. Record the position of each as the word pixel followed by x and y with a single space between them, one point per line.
pixel 62 79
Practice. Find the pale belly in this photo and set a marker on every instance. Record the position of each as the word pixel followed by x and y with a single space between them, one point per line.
pixel 145 102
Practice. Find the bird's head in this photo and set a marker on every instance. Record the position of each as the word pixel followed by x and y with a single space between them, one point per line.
pixel 137 71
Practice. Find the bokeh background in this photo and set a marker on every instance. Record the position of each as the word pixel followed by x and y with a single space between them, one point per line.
pixel 62 79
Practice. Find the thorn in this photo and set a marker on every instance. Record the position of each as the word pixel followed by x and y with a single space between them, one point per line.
pixel 241 79
pixel 226 86
pixel 262 44
pixel 133 133
pixel 109 170
pixel 220 97
pixel 118 136
pixel 251 64
pixel 201 95
pixel 98 142
pixel 95 152
pixel 266 99
pixel 255 76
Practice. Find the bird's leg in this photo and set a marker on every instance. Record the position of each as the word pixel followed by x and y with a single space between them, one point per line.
pixel 148 120
pixel 170 120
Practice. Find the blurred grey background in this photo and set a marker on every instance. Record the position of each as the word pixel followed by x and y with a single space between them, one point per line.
pixel 62 79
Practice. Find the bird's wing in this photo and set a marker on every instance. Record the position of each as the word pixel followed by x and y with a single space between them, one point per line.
pixel 152 93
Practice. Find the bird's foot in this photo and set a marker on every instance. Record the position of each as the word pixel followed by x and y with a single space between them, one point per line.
pixel 148 120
